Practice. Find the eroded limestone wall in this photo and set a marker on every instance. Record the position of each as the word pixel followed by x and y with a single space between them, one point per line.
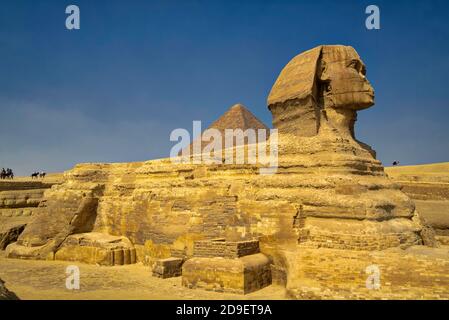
pixel 416 273
pixel 326 193
pixel 19 201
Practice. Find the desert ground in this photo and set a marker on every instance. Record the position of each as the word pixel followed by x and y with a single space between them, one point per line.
pixel 433 172
pixel 428 186
pixel 37 280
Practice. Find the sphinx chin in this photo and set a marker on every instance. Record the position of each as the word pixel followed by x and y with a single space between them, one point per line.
pixel 365 100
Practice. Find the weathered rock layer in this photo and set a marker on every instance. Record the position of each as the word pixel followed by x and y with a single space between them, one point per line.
pixel 19 200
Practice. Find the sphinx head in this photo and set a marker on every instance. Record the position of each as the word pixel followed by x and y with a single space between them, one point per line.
pixel 341 77
pixel 322 86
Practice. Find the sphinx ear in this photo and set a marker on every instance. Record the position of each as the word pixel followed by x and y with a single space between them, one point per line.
pixel 323 81
pixel 321 71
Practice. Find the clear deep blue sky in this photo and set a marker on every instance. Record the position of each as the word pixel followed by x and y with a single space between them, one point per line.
pixel 114 90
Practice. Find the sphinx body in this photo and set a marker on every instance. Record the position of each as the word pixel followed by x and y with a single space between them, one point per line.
pixel 329 191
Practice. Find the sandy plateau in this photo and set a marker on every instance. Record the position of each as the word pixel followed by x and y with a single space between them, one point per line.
pixel 39 280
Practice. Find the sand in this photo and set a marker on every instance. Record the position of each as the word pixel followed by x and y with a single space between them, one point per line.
pixel 32 279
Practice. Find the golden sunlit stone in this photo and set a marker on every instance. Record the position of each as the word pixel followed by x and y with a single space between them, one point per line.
pixel 327 213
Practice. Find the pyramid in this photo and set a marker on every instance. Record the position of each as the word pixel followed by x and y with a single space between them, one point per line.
pixel 237 117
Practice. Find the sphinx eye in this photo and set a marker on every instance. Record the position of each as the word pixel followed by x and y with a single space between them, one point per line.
pixel 363 71
pixel 354 64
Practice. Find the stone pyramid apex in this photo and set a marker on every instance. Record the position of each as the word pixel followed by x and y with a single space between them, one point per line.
pixel 238 117
pixel 238 106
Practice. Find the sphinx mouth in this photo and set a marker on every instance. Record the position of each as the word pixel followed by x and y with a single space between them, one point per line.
pixel 368 92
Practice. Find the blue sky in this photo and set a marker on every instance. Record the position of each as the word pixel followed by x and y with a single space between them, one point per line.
pixel 115 89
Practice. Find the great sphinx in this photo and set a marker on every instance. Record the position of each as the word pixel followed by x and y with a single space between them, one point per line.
pixel 329 191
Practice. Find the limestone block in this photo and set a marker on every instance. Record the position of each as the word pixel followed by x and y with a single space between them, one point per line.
pixel 9 185
pixel 18 212
pixel 97 248
pixel 166 268
pixel 226 249
pixel 241 275
pixel 21 198
pixel 85 254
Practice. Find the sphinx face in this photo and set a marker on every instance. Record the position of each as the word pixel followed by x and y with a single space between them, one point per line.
pixel 321 88
pixel 342 78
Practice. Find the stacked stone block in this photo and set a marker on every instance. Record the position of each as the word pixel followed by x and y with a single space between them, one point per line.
pixel 234 266
pixel 96 248
pixel 166 268
pixel 225 249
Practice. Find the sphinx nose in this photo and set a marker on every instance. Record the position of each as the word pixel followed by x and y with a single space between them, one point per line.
pixel 367 86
